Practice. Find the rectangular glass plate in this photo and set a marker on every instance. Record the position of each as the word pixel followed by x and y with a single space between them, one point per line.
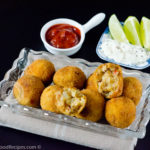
pixel 26 56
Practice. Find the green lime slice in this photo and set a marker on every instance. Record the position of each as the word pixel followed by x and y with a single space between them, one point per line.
pixel 145 32
pixel 116 29
pixel 132 30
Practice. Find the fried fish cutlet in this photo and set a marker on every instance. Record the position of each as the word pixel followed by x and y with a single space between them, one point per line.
pixel 71 102
pixel 94 107
pixel 120 112
pixel 70 76
pixel 41 68
pixel 109 80
pixel 91 82
pixel 132 89
pixel 27 90
pixel 49 98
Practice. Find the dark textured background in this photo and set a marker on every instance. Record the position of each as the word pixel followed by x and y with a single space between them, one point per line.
pixel 20 24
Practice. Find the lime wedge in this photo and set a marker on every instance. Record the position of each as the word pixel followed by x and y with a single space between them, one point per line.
pixel 132 30
pixel 116 29
pixel 145 32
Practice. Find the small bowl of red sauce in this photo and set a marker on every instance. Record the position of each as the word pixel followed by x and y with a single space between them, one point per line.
pixel 65 36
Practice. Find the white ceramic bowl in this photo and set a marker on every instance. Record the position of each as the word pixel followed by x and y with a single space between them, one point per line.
pixel 94 21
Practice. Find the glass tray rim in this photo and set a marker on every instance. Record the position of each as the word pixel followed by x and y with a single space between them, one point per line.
pixel 68 120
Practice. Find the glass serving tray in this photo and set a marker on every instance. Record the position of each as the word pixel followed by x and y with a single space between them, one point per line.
pixel 26 56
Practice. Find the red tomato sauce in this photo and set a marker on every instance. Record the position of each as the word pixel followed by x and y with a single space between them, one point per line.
pixel 63 36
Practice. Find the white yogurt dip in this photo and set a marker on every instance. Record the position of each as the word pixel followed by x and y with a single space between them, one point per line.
pixel 123 52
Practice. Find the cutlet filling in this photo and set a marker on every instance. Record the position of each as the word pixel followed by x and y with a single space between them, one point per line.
pixel 72 101
pixel 109 82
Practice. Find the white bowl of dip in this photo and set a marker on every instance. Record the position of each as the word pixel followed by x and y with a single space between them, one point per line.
pixel 124 54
